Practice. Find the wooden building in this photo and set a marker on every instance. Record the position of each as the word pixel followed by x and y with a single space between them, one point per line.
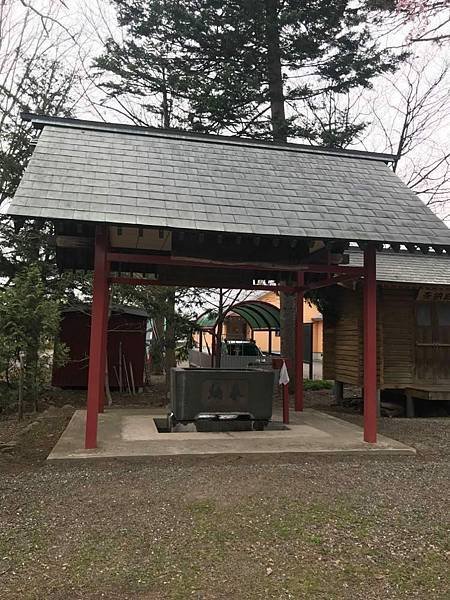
pixel 413 327
pixel 142 206
pixel 126 349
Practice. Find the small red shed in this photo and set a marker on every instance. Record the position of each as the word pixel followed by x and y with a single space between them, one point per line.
pixel 127 329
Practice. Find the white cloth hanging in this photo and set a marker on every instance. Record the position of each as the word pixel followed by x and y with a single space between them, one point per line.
pixel 284 375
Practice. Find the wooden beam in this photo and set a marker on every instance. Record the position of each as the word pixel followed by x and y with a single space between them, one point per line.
pixel 157 259
pixel 155 282
pixel 315 285
pixel 73 241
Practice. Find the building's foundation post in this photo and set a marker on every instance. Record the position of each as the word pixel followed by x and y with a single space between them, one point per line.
pixel 410 408
pixel 97 346
pixel 338 392
pixel 370 345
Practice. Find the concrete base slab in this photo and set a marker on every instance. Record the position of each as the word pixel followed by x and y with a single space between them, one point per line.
pixel 132 433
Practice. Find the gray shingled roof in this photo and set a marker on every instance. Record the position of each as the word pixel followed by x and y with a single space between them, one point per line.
pixel 101 173
pixel 403 267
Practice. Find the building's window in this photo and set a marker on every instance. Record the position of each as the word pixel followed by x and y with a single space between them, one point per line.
pixel 443 314
pixel 277 333
pixel 423 314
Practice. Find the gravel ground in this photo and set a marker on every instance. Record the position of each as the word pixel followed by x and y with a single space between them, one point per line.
pixel 319 528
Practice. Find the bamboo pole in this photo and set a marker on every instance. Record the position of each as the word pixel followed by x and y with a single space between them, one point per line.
pixel 20 396
pixel 126 374
pixel 120 368
pixel 132 379
pixel 117 376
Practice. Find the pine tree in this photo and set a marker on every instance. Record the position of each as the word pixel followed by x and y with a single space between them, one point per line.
pixel 257 68
pixel 249 68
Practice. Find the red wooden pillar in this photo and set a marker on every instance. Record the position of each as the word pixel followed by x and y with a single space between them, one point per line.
pixel 97 346
pixel 299 345
pixel 370 345
pixel 285 392
pixel 101 403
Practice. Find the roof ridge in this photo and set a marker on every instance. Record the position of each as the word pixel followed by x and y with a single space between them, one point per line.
pixel 39 121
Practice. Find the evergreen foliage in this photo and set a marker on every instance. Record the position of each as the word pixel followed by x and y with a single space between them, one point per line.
pixel 41 86
pixel 31 286
pixel 213 65
pixel 29 322
pixel 261 68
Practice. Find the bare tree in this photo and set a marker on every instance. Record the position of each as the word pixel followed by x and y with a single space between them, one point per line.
pixel 430 19
pixel 411 120
pixel 220 302
pixel 35 75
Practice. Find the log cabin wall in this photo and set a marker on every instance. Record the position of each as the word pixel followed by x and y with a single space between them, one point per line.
pixel 343 357
pixel 343 341
pixel 349 340
pixel 329 351
pixel 399 363
pixel 398 321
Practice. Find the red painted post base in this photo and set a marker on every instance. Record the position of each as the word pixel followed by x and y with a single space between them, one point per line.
pixel 285 391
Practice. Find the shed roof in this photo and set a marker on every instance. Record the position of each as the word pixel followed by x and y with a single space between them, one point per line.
pixel 119 309
pixel 97 172
pixel 403 267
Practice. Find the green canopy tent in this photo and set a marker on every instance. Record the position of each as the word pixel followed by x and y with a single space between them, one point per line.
pixel 260 316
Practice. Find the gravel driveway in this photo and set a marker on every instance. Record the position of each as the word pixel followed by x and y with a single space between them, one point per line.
pixel 317 528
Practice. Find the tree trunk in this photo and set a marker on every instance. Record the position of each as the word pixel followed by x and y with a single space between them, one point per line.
pixel 218 332
pixel 165 102
pixel 169 338
pixel 157 346
pixel 274 72
pixel 107 386
pixel 287 332
pixel 31 374
pixel 35 392
pixel 20 393
pixel 279 131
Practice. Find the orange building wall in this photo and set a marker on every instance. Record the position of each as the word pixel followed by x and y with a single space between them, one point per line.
pixel 310 315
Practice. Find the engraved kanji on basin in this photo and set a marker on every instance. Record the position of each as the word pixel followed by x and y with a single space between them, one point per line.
pixel 222 395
